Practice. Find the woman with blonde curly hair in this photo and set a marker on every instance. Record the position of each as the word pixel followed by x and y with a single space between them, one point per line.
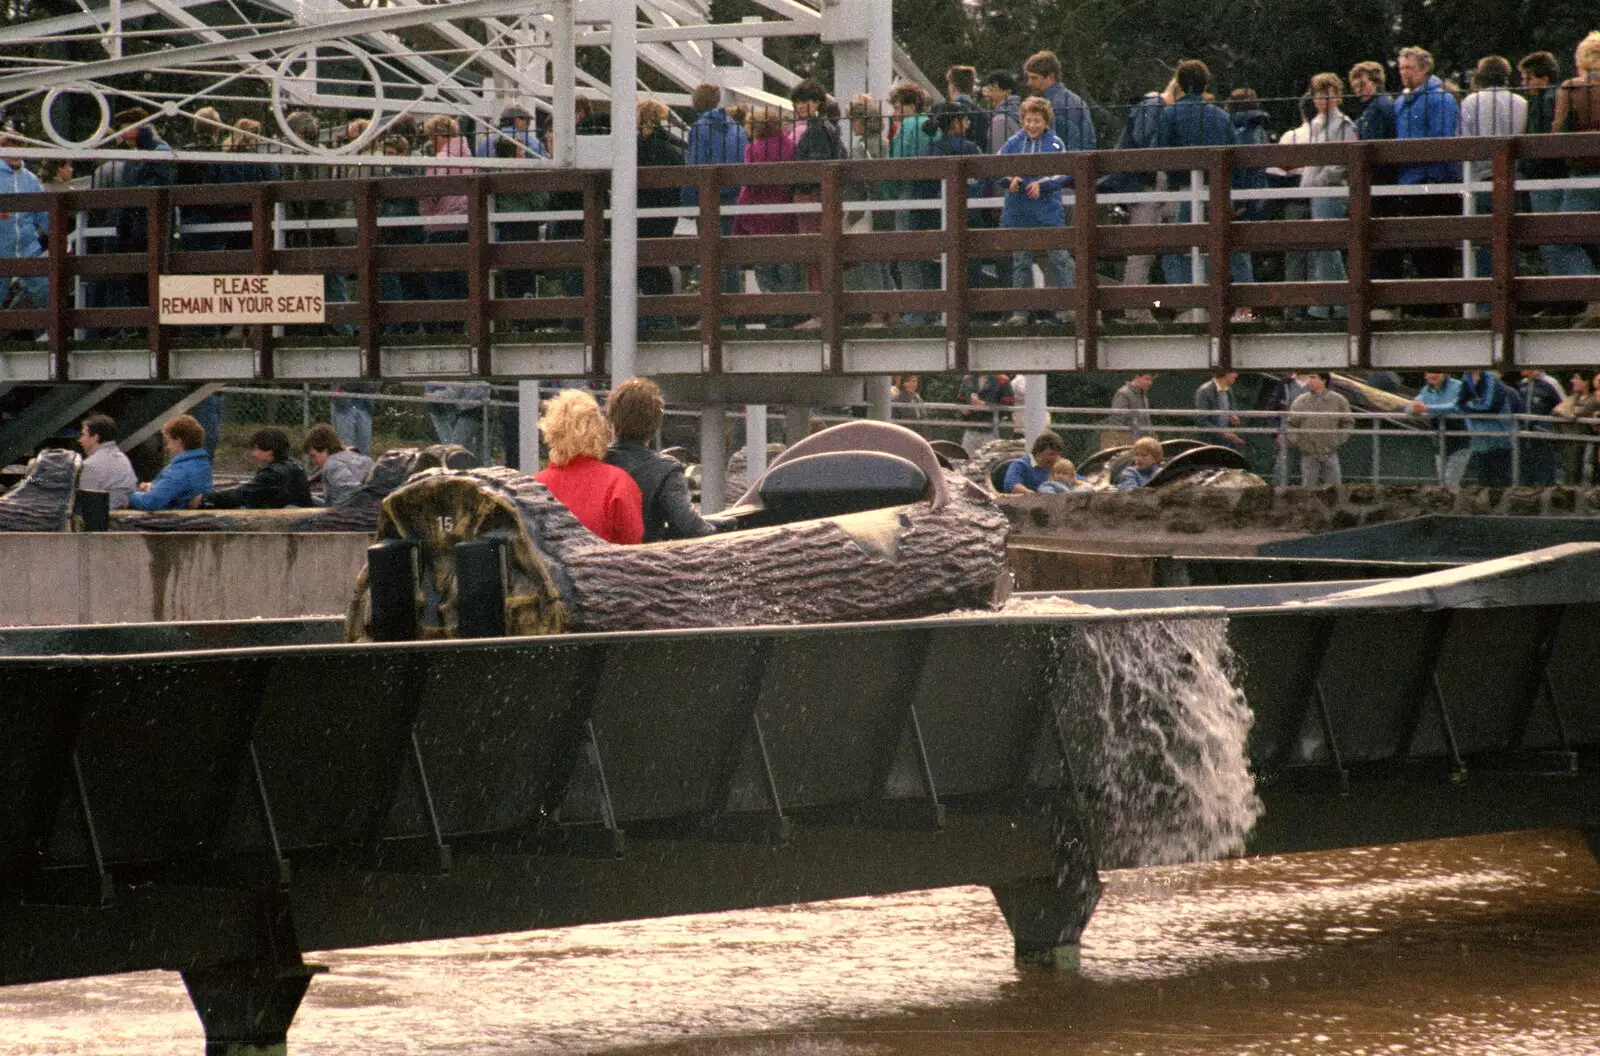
pixel 603 497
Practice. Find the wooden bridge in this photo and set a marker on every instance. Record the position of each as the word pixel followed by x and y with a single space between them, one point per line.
pixel 343 227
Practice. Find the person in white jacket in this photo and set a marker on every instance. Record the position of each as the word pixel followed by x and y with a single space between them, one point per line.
pixel 1330 125
pixel 1294 264
pixel 1492 109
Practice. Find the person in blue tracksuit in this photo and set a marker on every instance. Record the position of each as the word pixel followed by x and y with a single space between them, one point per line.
pixel 23 232
pixel 186 477
pixel 1426 110
pixel 1035 200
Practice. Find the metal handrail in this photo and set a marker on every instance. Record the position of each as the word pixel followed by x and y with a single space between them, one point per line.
pixel 1523 428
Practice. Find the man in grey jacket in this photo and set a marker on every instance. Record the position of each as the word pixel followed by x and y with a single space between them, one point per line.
pixel 1130 412
pixel 1214 402
pixel 1319 424
pixel 105 467
pixel 999 90
pixel 342 470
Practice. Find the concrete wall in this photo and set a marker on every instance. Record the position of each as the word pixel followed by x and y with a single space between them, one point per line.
pixel 54 578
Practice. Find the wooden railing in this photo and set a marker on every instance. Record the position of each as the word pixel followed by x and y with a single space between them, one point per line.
pixel 341 229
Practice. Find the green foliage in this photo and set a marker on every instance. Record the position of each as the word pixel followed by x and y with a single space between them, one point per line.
pixel 1113 51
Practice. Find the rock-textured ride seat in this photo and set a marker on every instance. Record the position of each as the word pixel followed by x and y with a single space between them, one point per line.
pixel 882 437
pixel 830 483
pixel 1187 463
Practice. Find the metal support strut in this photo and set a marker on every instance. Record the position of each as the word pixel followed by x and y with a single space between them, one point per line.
pixel 246 1006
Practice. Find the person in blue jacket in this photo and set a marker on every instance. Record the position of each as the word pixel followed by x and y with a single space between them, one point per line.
pixel 715 139
pixel 1069 113
pixel 1483 393
pixel 1426 110
pixel 23 233
pixel 1440 397
pixel 1027 475
pixel 1035 201
pixel 1146 464
pixel 1191 121
pixel 186 477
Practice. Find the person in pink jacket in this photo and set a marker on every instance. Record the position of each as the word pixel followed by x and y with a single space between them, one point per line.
pixel 449 211
pixel 769 142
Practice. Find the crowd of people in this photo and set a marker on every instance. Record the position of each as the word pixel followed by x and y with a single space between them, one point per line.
pixel 997 113
pixel 601 466
pixel 186 481
pixel 1473 412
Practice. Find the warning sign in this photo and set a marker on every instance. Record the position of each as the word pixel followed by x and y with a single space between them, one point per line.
pixel 211 300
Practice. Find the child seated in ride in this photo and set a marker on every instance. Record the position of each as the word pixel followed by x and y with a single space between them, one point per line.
pixel 1146 464
pixel 1063 479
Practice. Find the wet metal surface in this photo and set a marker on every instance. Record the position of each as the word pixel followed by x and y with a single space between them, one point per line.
pixel 1444 948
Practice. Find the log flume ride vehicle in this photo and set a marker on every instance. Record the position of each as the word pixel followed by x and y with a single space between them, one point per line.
pixel 218 810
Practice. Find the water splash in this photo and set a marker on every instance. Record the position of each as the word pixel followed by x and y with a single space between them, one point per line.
pixel 1159 731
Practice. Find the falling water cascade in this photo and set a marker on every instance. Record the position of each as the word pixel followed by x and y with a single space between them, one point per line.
pixel 1158 733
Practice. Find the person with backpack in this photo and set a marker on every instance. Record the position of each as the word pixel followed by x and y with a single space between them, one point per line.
pixel 715 139
pixel 1139 133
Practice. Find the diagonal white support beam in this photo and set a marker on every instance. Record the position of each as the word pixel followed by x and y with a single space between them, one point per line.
pixel 784 76
pixel 381 21
pixel 64 25
pixel 794 10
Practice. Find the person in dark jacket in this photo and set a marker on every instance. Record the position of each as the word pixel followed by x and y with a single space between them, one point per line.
pixel 816 139
pixel 1541 395
pixel 1191 121
pixel 131 223
pixel 1540 74
pixel 961 88
pixel 245 141
pixel 279 480
pixel 592 120
pixel 1376 121
pixel 655 148
pixel 205 135
pixel 952 124
pixel 635 409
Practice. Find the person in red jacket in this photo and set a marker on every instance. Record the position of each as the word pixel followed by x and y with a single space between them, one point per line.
pixel 602 496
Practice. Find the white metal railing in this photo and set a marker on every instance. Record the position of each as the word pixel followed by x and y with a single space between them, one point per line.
pixel 1377 431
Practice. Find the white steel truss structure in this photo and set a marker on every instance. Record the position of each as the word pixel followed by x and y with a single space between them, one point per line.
pixel 64 72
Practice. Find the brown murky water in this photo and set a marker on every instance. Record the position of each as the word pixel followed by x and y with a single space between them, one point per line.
pixel 1486 945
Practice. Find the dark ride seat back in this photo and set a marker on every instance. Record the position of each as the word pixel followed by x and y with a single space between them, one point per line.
pixel 836 482
pixel 1206 456
pixel 997 475
pixel 863 435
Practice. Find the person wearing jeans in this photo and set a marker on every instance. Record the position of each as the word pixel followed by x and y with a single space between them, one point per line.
pixel 1578 110
pixel 769 143
pixel 1319 424
pixel 448 211
pixel 1194 122
pixel 1035 201
pixel 1492 109
pixel 1329 126
pixel 1540 71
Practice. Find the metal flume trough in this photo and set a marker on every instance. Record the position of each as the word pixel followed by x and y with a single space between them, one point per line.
pixel 218 811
